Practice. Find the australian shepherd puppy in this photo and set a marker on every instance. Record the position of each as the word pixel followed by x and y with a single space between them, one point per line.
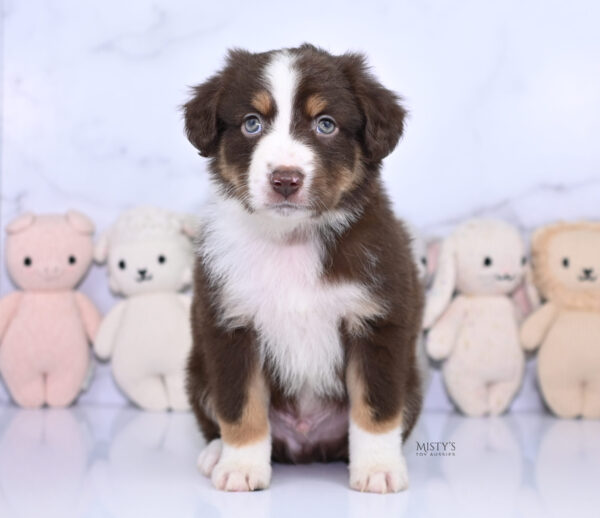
pixel 307 305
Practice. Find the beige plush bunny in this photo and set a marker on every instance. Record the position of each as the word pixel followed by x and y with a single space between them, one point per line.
pixel 476 332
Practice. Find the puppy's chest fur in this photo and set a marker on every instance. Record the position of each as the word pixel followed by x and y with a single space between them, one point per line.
pixel 277 287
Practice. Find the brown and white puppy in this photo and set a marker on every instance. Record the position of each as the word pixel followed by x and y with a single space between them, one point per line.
pixel 307 306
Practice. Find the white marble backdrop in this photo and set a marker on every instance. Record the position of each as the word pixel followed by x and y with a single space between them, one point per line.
pixel 504 99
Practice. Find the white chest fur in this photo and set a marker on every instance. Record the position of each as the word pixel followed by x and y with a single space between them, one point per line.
pixel 276 286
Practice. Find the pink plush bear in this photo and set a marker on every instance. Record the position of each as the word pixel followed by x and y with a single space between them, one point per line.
pixel 45 328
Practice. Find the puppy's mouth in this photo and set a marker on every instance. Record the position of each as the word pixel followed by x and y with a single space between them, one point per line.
pixel 286 207
pixel 143 278
pixel 505 277
pixel 588 278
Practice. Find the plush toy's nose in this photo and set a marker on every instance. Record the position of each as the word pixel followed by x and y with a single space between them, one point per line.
pixel 588 272
pixel 142 272
pixel 52 271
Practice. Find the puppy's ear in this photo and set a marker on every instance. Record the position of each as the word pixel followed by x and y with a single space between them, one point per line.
pixel 384 116
pixel 201 125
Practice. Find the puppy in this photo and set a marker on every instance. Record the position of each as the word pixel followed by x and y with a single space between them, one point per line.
pixel 307 305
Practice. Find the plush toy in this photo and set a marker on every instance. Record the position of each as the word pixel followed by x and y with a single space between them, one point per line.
pixel 566 263
pixel 45 327
pixel 477 331
pixel 148 335
pixel 425 257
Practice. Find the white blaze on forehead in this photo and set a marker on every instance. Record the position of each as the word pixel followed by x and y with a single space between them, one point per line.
pixel 277 147
pixel 282 79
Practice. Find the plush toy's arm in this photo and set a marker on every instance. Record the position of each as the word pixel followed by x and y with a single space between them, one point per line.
pixel 442 335
pixel 534 329
pixel 8 307
pixel 105 338
pixel 89 314
pixel 186 300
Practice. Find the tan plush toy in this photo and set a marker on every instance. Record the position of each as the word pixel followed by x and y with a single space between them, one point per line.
pixel 476 332
pixel 566 261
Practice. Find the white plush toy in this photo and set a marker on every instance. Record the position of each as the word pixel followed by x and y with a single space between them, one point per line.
pixel 425 257
pixel 477 331
pixel 148 335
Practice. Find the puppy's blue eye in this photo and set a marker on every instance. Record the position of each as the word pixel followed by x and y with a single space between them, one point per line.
pixel 326 125
pixel 252 125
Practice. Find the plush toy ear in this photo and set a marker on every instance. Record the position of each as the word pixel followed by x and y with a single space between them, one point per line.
pixel 189 225
pixel 526 297
pixel 80 222
pixel 382 112
pixel 101 247
pixel 20 223
pixel 433 253
pixel 444 282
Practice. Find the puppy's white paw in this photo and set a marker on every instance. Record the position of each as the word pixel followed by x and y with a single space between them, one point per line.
pixel 376 461
pixel 232 476
pixel 243 468
pixel 209 457
pixel 379 479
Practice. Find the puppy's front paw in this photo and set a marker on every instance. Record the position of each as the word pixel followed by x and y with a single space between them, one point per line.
pixel 231 476
pixel 209 457
pixel 243 468
pixel 379 479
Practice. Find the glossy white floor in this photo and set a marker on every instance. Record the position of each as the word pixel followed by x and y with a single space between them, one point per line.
pixel 120 462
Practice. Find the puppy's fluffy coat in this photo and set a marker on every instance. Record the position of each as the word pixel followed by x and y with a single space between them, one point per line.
pixel 307 306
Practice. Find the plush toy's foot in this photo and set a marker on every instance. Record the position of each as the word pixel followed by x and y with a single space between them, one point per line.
pixel 591 401
pixel 176 392
pixel 501 394
pixel 62 389
pixel 29 394
pixel 471 396
pixel 209 457
pixel 565 401
pixel 148 393
pixel 244 468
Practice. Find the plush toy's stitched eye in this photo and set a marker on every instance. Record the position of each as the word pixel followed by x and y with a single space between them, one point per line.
pixel 122 264
pixel 424 261
pixel 27 261
pixel 72 259
pixel 162 259
pixel 565 262
pixel 487 261
pixel 524 261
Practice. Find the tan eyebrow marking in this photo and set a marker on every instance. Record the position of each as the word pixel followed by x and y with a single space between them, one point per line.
pixel 315 104
pixel 262 102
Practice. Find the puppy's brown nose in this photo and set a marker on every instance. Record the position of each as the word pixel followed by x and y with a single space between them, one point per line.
pixel 286 181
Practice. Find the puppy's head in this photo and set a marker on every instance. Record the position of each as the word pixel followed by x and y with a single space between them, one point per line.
pixel 294 132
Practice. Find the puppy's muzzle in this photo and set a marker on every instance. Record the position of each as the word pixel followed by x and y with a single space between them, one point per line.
pixel 286 181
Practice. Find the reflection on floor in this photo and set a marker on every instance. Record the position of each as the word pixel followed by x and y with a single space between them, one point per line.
pixel 97 462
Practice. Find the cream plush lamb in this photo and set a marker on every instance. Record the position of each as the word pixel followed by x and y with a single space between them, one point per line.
pixel 477 331
pixel 148 335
